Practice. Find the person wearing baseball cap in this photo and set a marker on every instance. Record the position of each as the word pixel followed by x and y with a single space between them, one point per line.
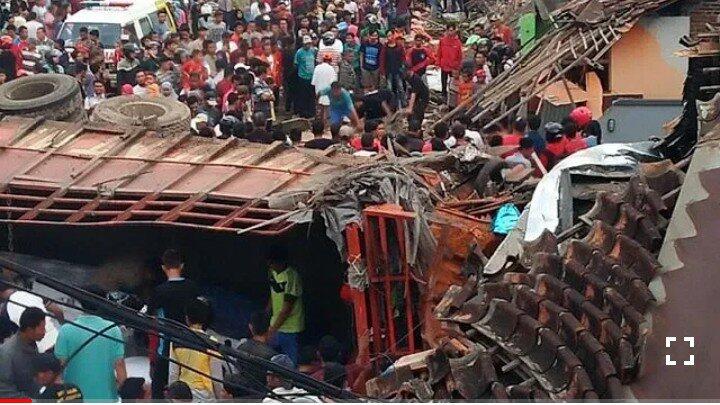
pixel 48 374
pixel 282 387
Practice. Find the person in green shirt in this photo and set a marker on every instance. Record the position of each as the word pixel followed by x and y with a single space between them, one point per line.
pixel 98 367
pixel 304 62
pixel 288 315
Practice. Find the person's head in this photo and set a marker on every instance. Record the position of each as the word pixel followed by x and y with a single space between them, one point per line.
pixel 218 17
pixel 569 129
pixel 197 312
pixel 307 355
pixel 371 126
pixel 99 87
pixel 277 258
pixel 533 122
pixel 553 132
pixel 519 125
pixel 480 59
pixel 496 20
pixel 441 130
pixel 134 389
pixel 259 323
pixel 83 33
pixel 451 29
pixel 172 263
pixel 283 25
pixel 335 90
pixel 367 141
pixel 318 127
pixel 178 391
pixel 329 349
pixel 32 324
pixel 209 47
pixel 94 35
pixel 23 32
pixel 495 140
pixel 196 81
pixel 457 130
pixel 162 16
pixel 40 34
pixel 307 41
pixel 46 367
pixel 202 33
pixel 140 78
pixel 274 380
pixel 374 37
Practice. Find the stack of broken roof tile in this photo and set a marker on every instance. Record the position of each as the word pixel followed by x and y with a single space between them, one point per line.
pixel 567 321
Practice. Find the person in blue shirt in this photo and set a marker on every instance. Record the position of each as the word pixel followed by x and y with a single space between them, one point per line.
pixel 533 122
pixel 305 64
pixel 371 54
pixel 341 105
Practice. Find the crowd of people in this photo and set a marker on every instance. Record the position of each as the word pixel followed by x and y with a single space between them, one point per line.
pixel 345 64
pixel 240 66
pixel 85 358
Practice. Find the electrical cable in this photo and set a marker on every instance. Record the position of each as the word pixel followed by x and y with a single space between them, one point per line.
pixel 105 335
pixel 132 319
pixel 110 337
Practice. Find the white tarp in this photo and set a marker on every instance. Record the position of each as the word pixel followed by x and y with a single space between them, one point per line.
pixel 608 160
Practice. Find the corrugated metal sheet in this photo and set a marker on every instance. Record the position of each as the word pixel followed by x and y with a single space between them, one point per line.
pixel 64 173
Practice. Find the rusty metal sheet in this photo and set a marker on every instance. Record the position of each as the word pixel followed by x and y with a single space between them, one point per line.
pixel 63 173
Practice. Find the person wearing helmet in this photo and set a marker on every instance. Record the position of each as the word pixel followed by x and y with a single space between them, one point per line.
pixel 589 128
pixel 555 147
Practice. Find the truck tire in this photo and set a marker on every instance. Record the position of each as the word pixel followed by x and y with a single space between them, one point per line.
pixel 52 96
pixel 158 113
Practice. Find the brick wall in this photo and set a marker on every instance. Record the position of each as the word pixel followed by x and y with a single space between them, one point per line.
pixel 707 11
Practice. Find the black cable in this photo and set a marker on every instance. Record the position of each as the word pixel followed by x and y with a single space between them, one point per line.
pixel 132 319
pixel 103 334
pixel 77 325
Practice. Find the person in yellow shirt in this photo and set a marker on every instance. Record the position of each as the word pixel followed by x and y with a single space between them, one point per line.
pixel 288 315
pixel 197 315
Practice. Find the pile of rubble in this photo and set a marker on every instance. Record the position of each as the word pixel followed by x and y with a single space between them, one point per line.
pixel 567 320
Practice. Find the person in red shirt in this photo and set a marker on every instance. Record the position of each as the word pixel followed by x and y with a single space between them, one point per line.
pixel 193 65
pixel 575 141
pixel 419 56
pixel 466 87
pixel 501 30
pixel 515 135
pixel 449 55
pixel 555 148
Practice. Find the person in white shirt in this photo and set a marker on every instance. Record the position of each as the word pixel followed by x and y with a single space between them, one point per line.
pixel 352 7
pixel 258 7
pixel 40 8
pixel 92 101
pixel 323 76
pixel 139 88
pixel 33 24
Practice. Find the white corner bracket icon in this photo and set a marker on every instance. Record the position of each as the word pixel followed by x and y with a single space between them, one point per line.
pixel 668 342
pixel 691 343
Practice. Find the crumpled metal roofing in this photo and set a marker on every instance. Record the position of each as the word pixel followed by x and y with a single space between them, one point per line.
pixel 69 174
pixel 565 322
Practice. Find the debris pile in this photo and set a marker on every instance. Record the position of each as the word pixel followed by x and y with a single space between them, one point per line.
pixel 580 33
pixel 566 321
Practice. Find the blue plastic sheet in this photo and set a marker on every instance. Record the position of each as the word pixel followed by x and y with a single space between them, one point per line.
pixel 506 219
